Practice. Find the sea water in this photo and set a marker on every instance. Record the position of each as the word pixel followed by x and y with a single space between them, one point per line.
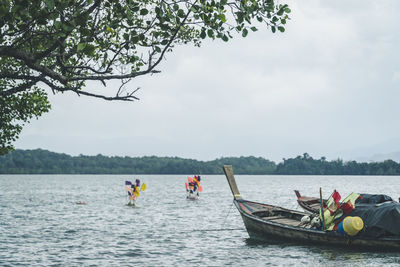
pixel 41 224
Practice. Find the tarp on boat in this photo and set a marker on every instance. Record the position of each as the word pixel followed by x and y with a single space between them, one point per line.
pixel 380 220
pixel 380 214
pixel 372 199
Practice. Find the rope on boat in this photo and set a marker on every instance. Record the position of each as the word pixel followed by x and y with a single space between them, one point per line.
pixel 223 224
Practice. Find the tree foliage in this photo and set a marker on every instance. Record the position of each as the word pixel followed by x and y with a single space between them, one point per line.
pixel 64 44
pixel 17 109
pixel 46 162
pixel 306 165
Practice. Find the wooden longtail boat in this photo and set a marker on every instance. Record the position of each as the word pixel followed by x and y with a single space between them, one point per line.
pixel 310 204
pixel 268 222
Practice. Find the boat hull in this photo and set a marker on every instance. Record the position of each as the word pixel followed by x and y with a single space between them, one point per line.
pixel 265 230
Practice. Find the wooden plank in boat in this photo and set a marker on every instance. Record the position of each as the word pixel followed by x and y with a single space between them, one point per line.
pixel 287 221
pixel 270 218
pixel 307 198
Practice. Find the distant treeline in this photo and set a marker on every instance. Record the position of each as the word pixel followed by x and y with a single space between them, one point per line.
pixel 45 162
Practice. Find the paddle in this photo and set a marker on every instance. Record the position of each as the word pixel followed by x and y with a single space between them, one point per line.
pixel 143 187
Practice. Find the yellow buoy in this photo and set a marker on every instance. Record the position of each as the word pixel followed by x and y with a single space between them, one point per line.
pixel 352 225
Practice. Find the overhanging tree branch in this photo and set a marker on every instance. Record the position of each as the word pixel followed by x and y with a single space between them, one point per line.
pixel 62 45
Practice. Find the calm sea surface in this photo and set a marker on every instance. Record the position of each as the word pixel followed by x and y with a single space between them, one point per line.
pixel 40 223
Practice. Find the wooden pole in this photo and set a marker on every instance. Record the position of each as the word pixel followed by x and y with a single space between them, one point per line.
pixel 321 208
pixel 231 180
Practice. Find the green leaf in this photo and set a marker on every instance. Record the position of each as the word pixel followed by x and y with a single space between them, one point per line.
pixel 273 29
pixel 89 49
pixel 144 12
pixel 3 10
pixel 210 33
pixel 134 39
pixel 81 20
pixel 158 49
pixel 254 29
pixel 134 9
pixel 203 34
pixel 245 32
pixel 225 38
pixel 66 27
pixel 222 17
pixel 181 13
pixel 81 46
pixel 282 29
pixel 193 9
pixel 239 17
pixel 49 4
pixel 57 24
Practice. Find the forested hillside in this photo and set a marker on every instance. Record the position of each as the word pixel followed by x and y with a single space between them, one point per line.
pixel 45 162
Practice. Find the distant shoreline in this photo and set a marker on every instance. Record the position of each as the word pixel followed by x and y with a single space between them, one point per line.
pixel 41 161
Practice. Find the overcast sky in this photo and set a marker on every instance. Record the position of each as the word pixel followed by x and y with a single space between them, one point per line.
pixel 328 86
